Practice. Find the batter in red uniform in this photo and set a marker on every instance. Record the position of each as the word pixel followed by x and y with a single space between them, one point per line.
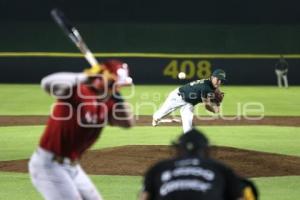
pixel 86 102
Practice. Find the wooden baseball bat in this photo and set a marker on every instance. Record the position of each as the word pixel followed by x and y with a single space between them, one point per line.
pixel 73 34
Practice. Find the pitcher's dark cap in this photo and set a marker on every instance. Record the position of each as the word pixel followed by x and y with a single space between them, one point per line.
pixel 220 74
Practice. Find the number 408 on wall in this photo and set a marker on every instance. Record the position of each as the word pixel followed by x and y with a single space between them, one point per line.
pixel 193 69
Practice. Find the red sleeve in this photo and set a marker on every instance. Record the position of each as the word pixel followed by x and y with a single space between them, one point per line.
pixel 119 113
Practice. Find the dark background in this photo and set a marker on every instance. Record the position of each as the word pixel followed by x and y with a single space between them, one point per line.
pixel 257 27
pixel 158 11
pixel 169 26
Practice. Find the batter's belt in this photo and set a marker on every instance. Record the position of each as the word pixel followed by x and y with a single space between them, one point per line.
pixel 56 158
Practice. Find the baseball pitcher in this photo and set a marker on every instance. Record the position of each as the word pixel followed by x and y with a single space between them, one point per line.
pixel 204 91
pixel 86 102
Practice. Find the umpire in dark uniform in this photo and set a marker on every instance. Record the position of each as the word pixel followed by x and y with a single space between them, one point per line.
pixel 191 175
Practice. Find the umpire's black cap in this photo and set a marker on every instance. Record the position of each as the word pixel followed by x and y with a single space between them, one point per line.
pixel 192 141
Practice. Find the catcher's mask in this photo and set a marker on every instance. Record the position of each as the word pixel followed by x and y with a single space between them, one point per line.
pixel 192 142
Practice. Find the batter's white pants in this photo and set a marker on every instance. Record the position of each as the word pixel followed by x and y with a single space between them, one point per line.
pixel 57 181
pixel 173 102
pixel 281 75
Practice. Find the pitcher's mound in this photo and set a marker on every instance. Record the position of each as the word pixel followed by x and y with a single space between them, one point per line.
pixel 136 159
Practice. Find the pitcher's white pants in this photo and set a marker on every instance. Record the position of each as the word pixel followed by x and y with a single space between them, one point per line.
pixel 57 181
pixel 173 102
pixel 281 75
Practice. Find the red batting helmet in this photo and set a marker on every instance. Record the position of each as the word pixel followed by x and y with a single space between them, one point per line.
pixel 120 70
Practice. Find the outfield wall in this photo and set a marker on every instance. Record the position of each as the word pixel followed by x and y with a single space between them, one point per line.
pixel 241 69
pixel 247 52
pixel 153 37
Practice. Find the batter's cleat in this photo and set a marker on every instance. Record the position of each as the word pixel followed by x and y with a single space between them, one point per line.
pixel 155 122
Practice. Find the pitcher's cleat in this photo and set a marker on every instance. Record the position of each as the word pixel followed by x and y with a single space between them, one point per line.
pixel 155 122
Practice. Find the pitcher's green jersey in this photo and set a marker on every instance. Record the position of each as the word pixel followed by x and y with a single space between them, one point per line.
pixel 193 92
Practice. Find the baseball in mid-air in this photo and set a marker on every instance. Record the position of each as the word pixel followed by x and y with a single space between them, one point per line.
pixel 181 75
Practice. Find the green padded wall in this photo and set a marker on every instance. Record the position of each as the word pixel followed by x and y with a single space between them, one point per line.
pixel 163 37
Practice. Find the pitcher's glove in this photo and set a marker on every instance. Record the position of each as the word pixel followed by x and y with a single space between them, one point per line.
pixel 218 97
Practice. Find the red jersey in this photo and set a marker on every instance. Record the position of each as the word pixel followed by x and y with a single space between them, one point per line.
pixel 76 123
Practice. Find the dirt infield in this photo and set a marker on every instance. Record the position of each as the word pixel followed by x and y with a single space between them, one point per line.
pixel 144 120
pixel 135 159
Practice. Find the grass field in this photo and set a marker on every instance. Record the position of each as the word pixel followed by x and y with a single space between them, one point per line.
pixel 18 186
pixel 20 142
pixel 31 100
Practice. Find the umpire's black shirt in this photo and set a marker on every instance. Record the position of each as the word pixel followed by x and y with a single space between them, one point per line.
pixel 191 178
